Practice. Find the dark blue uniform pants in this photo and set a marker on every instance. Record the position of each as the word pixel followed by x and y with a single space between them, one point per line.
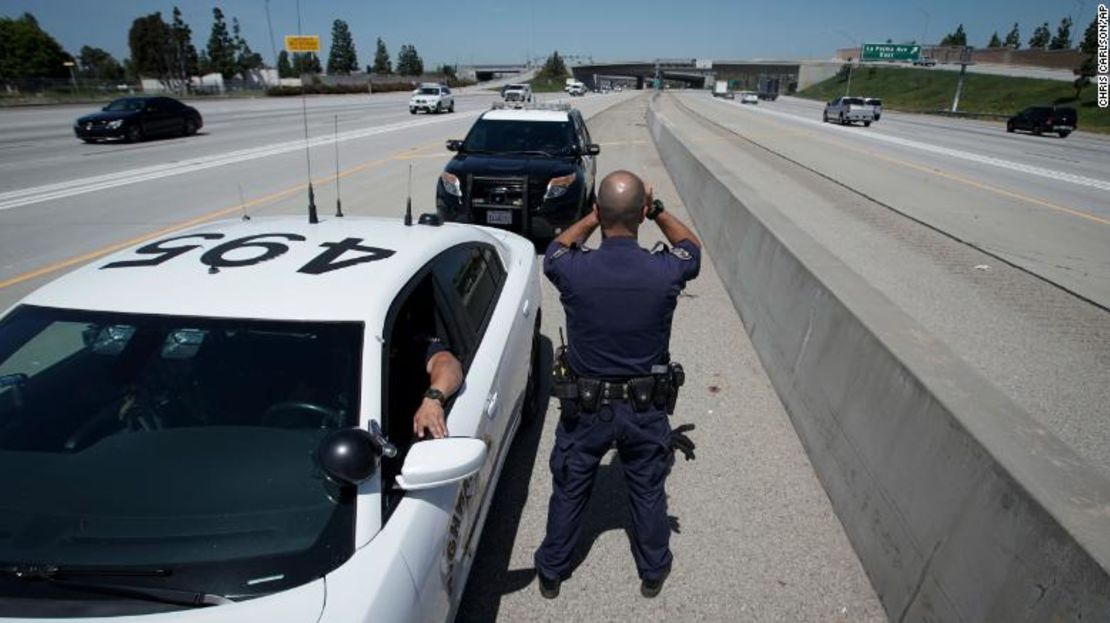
pixel 643 443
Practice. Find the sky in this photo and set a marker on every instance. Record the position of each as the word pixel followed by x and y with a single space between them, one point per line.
pixel 503 31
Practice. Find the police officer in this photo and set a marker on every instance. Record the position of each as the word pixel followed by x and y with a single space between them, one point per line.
pixel 619 301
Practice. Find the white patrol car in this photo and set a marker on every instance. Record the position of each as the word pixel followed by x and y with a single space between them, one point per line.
pixel 431 98
pixel 216 426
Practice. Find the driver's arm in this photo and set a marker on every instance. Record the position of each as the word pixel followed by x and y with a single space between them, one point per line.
pixel 446 376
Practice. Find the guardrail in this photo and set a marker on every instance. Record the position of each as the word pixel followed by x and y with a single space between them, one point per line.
pixel 960 506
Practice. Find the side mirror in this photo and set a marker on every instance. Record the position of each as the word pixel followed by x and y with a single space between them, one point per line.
pixel 593 149
pixel 348 456
pixel 454 145
pixel 439 462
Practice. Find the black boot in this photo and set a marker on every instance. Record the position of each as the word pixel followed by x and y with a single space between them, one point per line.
pixel 651 588
pixel 549 588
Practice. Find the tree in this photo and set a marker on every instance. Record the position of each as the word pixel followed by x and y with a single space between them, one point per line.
pixel 1062 40
pixel 151 42
pixel 342 59
pixel 1013 40
pixel 1087 68
pixel 284 67
pixel 306 63
pixel 1040 38
pixel 221 48
pixel 98 64
pixel 995 42
pixel 245 58
pixel 381 59
pixel 554 68
pixel 26 50
pixel 409 62
pixel 958 38
pixel 184 52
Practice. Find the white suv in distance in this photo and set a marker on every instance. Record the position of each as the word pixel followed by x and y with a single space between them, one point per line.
pixel 431 98
pixel 517 94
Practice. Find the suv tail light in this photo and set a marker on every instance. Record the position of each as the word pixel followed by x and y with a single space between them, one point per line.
pixel 1051 120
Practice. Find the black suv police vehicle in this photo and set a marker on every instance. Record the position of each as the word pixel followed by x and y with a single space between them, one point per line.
pixel 529 170
pixel 1040 119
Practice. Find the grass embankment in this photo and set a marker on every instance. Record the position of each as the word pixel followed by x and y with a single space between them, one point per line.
pixel 931 90
pixel 547 85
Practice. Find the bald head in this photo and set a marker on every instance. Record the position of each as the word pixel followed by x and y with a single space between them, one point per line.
pixel 620 201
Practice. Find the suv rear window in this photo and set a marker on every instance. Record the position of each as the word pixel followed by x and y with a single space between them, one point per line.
pixel 854 101
pixel 1065 115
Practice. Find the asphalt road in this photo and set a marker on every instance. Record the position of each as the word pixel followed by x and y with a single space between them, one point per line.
pixel 976 250
pixel 758 540
pixel 1040 202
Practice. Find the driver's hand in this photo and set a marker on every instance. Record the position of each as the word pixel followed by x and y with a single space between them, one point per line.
pixel 649 195
pixel 429 419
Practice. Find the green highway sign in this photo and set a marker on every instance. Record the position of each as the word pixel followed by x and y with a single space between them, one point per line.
pixel 890 52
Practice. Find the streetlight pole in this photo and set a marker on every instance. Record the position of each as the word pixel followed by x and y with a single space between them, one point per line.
pixel 925 29
pixel 858 49
pixel 72 75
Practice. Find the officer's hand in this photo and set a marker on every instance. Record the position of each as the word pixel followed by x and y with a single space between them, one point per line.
pixel 429 418
pixel 682 443
pixel 649 197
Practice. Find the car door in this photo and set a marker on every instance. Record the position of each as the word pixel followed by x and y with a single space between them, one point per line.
pixel 1022 121
pixel 438 526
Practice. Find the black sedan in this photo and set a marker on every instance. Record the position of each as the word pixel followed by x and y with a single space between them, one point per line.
pixel 138 118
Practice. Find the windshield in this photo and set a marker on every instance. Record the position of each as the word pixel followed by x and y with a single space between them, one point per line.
pixel 127 103
pixel 499 136
pixel 185 443
pixel 429 91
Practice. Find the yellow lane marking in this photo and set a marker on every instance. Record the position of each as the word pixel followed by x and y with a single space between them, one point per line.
pixel 945 174
pixel 105 250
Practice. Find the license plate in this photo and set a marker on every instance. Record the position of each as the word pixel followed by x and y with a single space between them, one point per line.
pixel 499 217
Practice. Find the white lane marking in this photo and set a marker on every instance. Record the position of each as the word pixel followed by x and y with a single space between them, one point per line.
pixel 1060 176
pixel 61 190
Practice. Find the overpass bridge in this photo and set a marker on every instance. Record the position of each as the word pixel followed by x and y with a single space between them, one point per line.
pixel 699 73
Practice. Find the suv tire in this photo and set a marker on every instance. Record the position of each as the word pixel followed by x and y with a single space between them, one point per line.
pixel 1010 127
pixel 1038 130
pixel 451 108
pixel 1064 133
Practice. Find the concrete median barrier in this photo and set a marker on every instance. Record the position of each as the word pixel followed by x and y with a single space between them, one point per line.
pixel 960 506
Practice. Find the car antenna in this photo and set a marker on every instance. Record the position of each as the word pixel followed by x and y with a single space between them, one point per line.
pixel 243 204
pixel 307 158
pixel 408 201
pixel 338 202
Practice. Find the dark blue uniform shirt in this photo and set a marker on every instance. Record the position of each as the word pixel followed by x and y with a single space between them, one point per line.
pixel 619 300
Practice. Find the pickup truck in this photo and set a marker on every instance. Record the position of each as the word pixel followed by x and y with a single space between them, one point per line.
pixel 848 110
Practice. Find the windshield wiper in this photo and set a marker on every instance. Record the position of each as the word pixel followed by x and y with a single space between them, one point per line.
pixel 58 576
pixel 531 152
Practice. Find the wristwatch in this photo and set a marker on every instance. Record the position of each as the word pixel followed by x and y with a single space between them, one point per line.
pixel 436 395
pixel 656 209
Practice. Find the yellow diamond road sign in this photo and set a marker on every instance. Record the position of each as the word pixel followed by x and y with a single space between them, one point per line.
pixel 302 43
